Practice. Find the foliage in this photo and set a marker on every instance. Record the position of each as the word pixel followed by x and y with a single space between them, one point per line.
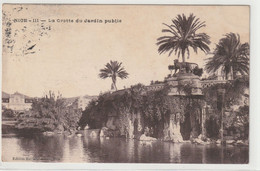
pixel 155 107
pixel 50 113
pixel 234 92
pixel 113 70
pixel 242 121
pixel 231 56
pixel 8 113
pixel 186 88
pixel 197 71
pixel 234 89
pixel 171 67
pixel 94 115
pixel 125 102
pixel 183 35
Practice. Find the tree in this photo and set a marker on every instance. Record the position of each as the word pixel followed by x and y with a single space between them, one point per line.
pixel 8 113
pixel 50 113
pixel 113 70
pixel 183 35
pixel 230 56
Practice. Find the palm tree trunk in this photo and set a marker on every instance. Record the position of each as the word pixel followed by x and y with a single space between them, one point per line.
pixel 231 73
pixel 114 83
pixel 183 56
pixel 115 86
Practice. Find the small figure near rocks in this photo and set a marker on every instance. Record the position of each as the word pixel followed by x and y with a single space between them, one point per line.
pixel 86 127
pixel 93 134
pixel 102 131
pixel 79 135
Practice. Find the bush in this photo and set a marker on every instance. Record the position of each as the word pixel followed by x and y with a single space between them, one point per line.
pixel 8 113
pixel 50 113
pixel 234 121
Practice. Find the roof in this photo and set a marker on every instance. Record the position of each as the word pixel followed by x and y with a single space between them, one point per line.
pixel 20 94
pixel 5 95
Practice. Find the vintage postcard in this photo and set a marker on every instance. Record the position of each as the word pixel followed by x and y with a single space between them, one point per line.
pixel 125 83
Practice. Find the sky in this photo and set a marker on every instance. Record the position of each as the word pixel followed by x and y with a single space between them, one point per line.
pixel 67 56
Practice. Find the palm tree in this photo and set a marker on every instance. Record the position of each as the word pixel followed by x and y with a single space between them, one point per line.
pixel 113 70
pixel 230 56
pixel 183 35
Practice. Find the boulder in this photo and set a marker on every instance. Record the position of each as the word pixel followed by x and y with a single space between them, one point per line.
pixel 240 142
pixel 200 136
pixel 79 135
pixel 218 141
pixel 230 141
pixel 177 138
pixel 203 138
pixel 198 141
pixel 143 137
pixel 48 133
pixel 246 142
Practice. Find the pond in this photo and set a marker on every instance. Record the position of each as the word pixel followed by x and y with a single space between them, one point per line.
pixel 60 148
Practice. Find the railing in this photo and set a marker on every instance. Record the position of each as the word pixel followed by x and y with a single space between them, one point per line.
pixel 208 83
pixel 154 87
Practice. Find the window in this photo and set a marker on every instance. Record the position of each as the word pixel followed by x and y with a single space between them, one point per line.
pixel 5 100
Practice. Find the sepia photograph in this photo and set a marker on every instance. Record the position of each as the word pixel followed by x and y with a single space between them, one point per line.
pixel 165 84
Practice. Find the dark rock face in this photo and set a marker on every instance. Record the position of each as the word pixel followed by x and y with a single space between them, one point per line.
pixel 106 132
pixel 173 112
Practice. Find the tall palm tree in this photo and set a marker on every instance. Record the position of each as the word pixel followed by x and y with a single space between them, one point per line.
pixel 230 56
pixel 113 70
pixel 183 35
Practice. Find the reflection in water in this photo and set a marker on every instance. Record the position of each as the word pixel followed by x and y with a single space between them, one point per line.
pixel 115 150
pixel 43 148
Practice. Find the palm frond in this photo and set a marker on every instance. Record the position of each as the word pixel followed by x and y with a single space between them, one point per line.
pixel 230 53
pixel 113 69
pixel 183 35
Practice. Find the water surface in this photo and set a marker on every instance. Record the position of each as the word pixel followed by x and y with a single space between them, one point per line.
pixel 59 148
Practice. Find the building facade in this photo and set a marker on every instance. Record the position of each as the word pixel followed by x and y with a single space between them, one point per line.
pixel 17 102
pixel 83 101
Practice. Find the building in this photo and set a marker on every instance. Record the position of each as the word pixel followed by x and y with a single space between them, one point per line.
pixel 83 101
pixel 17 101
